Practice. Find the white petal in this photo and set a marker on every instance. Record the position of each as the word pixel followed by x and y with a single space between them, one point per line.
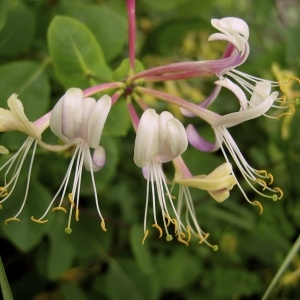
pixel 236 90
pixel 261 91
pixel 147 138
pixel 97 120
pixel 88 106
pixel 97 160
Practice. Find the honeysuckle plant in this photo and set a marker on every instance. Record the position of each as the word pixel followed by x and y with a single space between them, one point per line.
pixel 79 118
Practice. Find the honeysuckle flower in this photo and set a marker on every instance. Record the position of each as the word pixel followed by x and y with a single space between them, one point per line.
pixel 261 101
pixel 79 121
pixel 14 119
pixel 218 184
pixel 159 139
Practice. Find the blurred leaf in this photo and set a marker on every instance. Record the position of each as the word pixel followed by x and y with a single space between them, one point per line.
pixel 18 31
pixel 30 82
pixel 75 63
pixel 141 252
pixel 61 251
pixel 163 5
pixel 4 4
pixel 293 47
pixel 118 122
pixel 71 291
pixel 124 69
pixel 108 27
pixel 26 234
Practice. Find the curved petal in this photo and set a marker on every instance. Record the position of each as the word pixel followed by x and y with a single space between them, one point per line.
pixel 147 138
pixel 198 142
pixel 97 120
pixel 88 106
pixel 261 91
pixel 97 160
pixel 235 118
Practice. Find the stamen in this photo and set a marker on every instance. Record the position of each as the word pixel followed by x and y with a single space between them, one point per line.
pixel 174 221
pixel 294 79
pixel 182 241
pixel 102 224
pixel 169 219
pixel 11 219
pixel 287 113
pixel 70 196
pixel 277 189
pixel 271 178
pixel 169 238
pixel 77 214
pixel 189 233
pixel 59 208
pixel 0 206
pixel 68 230
pixel 261 182
pixel 38 221
pixel 255 202
pixel 159 229
pixel 145 236
pixel 3 192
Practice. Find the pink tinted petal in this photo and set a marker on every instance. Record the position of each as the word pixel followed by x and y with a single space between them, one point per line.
pixel 198 142
pixel 88 106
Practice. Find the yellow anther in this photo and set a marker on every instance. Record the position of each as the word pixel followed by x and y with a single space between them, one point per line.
pixel 68 230
pixel 283 98
pixel 287 113
pixel 270 176
pixel 145 236
pixel 159 229
pixel 279 190
pixel 169 238
pixel 281 86
pixel 70 196
pixel 174 221
pixel 203 238
pixel 263 172
pixel 102 224
pixel 182 241
pixel 294 79
pixel 0 206
pixel 261 182
pixel 59 208
pixel 77 215
pixel 255 202
pixel 3 192
pixel 38 221
pixel 189 233
pixel 169 219
pixel 11 219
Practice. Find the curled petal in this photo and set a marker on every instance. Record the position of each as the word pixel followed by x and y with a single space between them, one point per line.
pixel 97 160
pixel 147 138
pixel 97 120
pixel 261 91
pixel 197 141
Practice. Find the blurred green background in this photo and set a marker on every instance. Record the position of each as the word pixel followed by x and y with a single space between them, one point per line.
pixel 42 262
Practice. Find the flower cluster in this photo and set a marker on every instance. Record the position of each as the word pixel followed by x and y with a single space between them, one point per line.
pixel 78 121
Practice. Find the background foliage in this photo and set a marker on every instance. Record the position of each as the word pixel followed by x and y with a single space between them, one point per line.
pixel 49 46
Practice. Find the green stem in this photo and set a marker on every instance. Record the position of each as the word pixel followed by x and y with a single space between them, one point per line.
pixel 282 268
pixel 6 292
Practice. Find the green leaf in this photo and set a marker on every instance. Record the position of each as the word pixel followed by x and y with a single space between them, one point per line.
pixel 61 252
pixel 18 30
pixel 293 47
pixel 25 234
pixel 123 70
pixel 163 5
pixel 118 122
pixel 30 82
pixel 71 291
pixel 5 288
pixel 4 4
pixel 77 57
pixel 108 27
pixel 141 252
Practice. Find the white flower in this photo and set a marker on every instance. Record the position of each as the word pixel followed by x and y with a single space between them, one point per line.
pixel 10 120
pixel 159 139
pixel 79 121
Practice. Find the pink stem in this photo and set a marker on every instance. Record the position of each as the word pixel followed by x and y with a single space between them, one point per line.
pixel 130 4
pixel 207 115
pixel 102 87
pixel 133 115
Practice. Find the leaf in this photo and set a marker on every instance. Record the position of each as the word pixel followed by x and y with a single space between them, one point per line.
pixel 141 252
pixel 18 29
pixel 108 27
pixel 293 48
pixel 77 57
pixel 123 70
pixel 163 5
pixel 26 234
pixel 4 4
pixel 30 82
pixel 118 122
